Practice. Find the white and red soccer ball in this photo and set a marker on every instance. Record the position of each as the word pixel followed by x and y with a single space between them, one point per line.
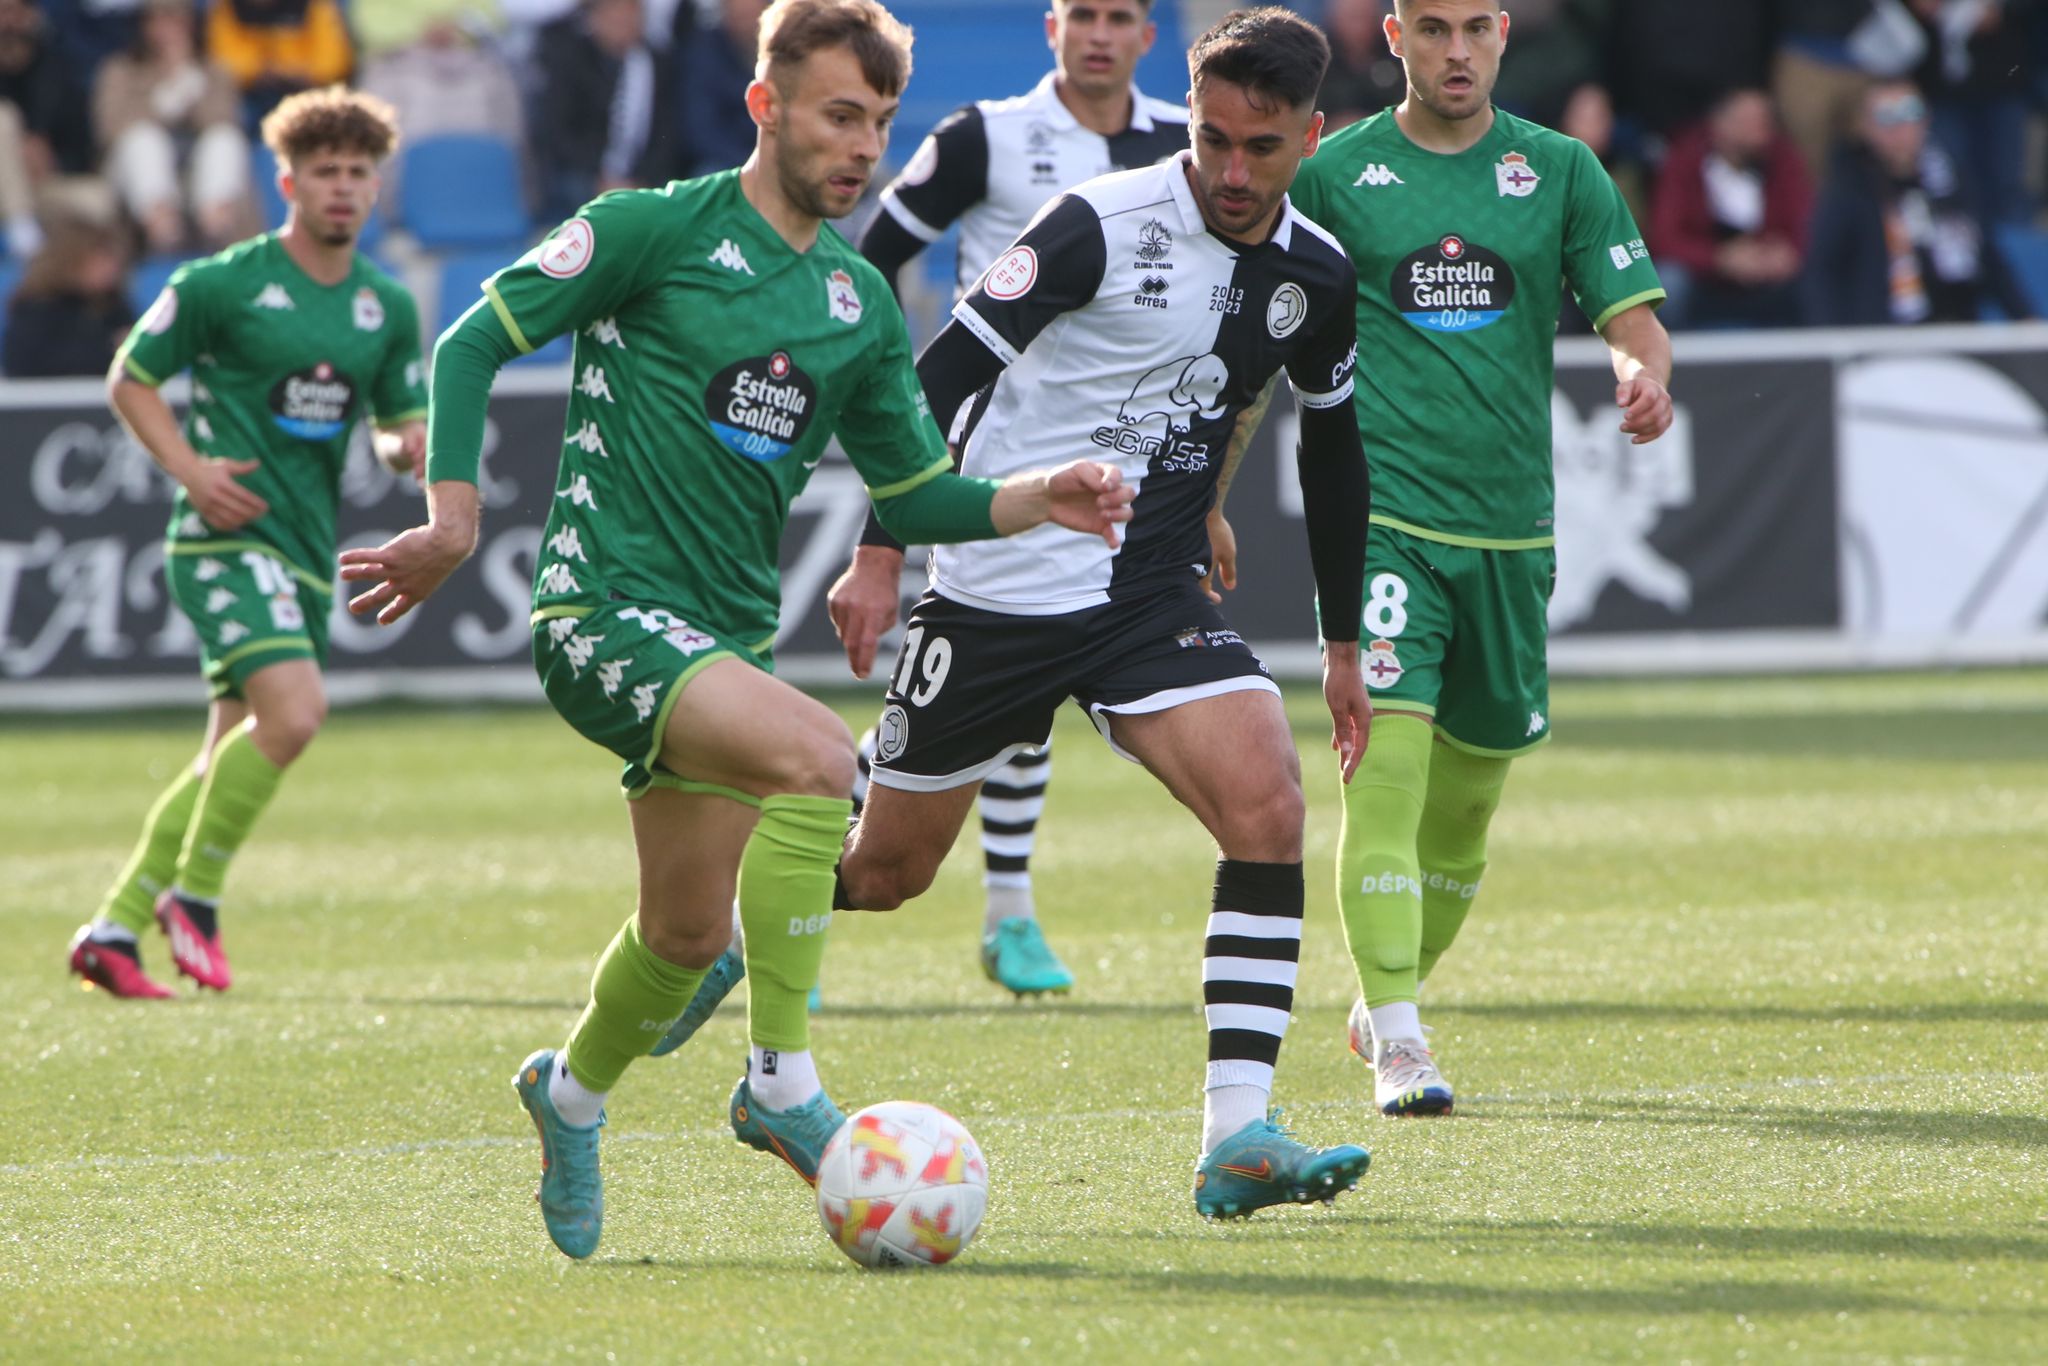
pixel 902 1184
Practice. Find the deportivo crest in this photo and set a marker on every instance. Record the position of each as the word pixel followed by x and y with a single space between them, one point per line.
pixel 569 250
pixel 369 310
pixel 1514 178
pixel 1382 667
pixel 1286 310
pixel 841 298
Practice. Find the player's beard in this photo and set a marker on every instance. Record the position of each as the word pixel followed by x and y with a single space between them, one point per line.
pixel 803 183
pixel 1480 95
pixel 1213 212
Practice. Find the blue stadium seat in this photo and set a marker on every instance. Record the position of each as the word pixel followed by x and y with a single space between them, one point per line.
pixel 11 268
pixel 463 193
pixel 2026 251
pixel 147 278
pixel 263 176
pixel 992 49
pixel 462 273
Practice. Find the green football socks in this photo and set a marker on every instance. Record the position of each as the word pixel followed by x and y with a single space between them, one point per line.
pixel 634 996
pixel 786 877
pixel 131 900
pixel 1450 844
pixel 239 783
pixel 1379 887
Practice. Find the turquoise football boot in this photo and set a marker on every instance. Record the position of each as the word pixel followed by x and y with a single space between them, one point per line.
pixel 724 975
pixel 797 1135
pixel 1016 956
pixel 1262 1164
pixel 571 1191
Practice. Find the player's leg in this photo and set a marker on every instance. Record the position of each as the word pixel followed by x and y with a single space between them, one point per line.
pixel 894 851
pixel 1450 843
pixel 107 952
pixel 1013 948
pixel 1230 758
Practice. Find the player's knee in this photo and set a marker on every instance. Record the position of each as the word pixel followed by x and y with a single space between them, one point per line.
pixel 819 761
pixel 285 732
pixel 1263 822
pixel 685 945
pixel 883 884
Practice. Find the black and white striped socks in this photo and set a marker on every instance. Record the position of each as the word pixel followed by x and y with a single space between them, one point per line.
pixel 1249 963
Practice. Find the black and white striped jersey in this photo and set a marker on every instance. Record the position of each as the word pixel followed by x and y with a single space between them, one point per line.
pixel 994 163
pixel 1133 335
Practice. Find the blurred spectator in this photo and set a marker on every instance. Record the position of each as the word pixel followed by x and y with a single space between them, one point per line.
pixel 1975 76
pixel 1364 77
pixel 1589 116
pixel 275 48
pixel 1817 80
pixel 1669 60
pixel 595 111
pixel 90 31
pixel 1729 220
pixel 1893 238
pixel 449 79
pixel 716 69
pixel 160 105
pixel 44 132
pixel 1554 50
pixel 386 26
pixel 71 311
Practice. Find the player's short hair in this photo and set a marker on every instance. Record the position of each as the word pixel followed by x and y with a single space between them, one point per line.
pixel 791 30
pixel 1272 52
pixel 1145 5
pixel 333 119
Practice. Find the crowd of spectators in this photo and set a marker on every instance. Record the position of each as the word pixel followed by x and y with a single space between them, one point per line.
pixel 1791 161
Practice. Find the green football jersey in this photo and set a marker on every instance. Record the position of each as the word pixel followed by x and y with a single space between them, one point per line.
pixel 281 366
pixel 712 365
pixel 1462 262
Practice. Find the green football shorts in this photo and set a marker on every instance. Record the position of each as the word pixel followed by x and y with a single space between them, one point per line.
pixel 251 609
pixel 614 673
pixel 1459 634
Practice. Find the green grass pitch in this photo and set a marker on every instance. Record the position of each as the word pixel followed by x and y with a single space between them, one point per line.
pixel 1747 1030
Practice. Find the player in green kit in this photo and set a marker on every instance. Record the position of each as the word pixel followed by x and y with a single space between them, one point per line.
pixel 289 337
pixel 1464 223
pixel 723 335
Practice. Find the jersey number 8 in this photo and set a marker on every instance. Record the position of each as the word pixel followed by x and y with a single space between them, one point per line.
pixel 1386 613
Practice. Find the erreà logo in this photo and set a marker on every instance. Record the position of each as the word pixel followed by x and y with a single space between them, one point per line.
pixel 760 407
pixel 1453 286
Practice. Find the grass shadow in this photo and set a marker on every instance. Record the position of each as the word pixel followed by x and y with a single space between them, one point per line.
pixel 1903 1013
pixel 1832 1240
pixel 1934 1127
pixel 1989 735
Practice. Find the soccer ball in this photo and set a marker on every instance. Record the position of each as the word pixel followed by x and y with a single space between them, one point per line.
pixel 902 1184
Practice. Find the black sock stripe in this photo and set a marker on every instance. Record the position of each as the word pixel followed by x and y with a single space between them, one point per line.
pixel 1243 1045
pixel 1028 760
pixel 1009 863
pixel 1248 994
pixel 989 827
pixel 1237 946
pixel 1012 793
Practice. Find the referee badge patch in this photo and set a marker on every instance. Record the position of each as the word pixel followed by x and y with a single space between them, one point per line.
pixel 1012 276
pixel 892 733
pixel 568 251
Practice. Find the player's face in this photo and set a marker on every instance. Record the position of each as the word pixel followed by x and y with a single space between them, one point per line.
pixel 1452 51
pixel 1246 154
pixel 331 193
pixel 830 131
pixel 1096 44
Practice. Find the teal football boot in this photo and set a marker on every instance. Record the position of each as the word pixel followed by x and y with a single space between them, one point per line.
pixel 797 1135
pixel 723 976
pixel 571 1191
pixel 1263 1164
pixel 1016 956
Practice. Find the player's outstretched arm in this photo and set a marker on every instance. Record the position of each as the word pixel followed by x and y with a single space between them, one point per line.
pixel 405 570
pixel 1642 363
pixel 1336 495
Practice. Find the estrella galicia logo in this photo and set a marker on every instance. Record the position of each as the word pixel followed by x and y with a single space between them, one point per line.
pixel 761 406
pixel 1453 286
pixel 313 405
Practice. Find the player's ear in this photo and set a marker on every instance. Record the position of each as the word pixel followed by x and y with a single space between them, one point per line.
pixel 762 104
pixel 1314 137
pixel 1503 28
pixel 1392 27
pixel 1052 30
pixel 1151 33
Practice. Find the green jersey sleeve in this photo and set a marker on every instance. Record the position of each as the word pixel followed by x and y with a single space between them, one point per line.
pixel 586 269
pixel 399 393
pixel 174 330
pixel 886 425
pixel 1605 261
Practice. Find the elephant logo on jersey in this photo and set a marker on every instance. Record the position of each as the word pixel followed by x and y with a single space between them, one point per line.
pixel 761 407
pixel 1453 285
pixel 1162 410
pixel 313 404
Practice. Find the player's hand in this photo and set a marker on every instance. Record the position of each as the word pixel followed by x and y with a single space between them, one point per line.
pixel 1350 705
pixel 1089 496
pixel 406 570
pixel 1222 575
pixel 863 603
pixel 1645 409
pixel 219 497
pixel 403 450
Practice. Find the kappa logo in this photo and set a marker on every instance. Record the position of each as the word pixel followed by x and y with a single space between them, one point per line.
pixel 730 257
pixel 1537 725
pixel 588 439
pixel 605 332
pixel 567 252
pixel 568 544
pixel 594 385
pixel 1377 175
pixel 1514 178
pixel 273 296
